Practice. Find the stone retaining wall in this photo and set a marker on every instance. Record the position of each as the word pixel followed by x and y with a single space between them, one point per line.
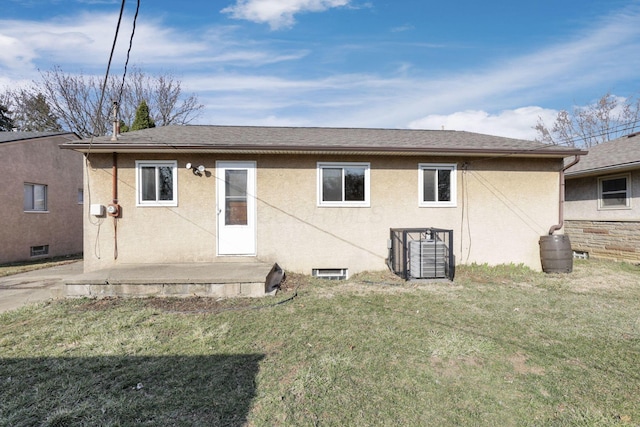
pixel 615 240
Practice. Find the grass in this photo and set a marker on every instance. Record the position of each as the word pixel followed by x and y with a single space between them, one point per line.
pixel 499 346
pixel 23 267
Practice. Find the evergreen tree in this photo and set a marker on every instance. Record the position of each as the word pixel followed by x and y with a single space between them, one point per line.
pixel 143 119
pixel 33 113
pixel 6 122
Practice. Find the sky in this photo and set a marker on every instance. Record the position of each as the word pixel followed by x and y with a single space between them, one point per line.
pixel 491 67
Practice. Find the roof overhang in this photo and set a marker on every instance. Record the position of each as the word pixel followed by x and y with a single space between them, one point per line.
pixel 315 150
pixel 606 170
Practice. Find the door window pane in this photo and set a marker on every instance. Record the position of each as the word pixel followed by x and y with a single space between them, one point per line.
pixel 236 197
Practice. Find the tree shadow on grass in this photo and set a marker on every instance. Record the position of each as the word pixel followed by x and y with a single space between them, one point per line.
pixel 214 390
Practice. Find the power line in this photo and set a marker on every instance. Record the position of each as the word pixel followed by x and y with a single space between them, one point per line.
pixel 126 64
pixel 621 128
pixel 106 76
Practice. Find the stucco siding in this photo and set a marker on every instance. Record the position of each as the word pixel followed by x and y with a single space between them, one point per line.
pixel 603 233
pixel 582 200
pixel 40 161
pixel 503 207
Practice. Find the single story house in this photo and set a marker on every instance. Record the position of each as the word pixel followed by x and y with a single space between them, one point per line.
pixel 602 209
pixel 41 196
pixel 314 200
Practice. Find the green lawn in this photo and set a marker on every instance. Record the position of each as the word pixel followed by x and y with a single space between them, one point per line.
pixel 498 347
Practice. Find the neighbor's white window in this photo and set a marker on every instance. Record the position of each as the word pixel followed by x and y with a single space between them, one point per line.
pixel 614 192
pixel 35 197
pixel 437 185
pixel 343 184
pixel 157 183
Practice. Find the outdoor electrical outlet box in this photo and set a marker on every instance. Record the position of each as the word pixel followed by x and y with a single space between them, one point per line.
pixel 96 210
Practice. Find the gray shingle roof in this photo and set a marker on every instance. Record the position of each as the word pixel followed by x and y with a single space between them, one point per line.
pixel 298 139
pixel 611 156
pixel 19 136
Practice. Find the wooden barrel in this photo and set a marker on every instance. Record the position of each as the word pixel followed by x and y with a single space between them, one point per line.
pixel 556 254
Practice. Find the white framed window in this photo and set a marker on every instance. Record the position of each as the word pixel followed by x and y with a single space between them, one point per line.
pixel 157 182
pixel 614 192
pixel 343 184
pixel 437 185
pixel 35 197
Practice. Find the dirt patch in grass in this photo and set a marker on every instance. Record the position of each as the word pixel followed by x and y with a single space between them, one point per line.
pixel 520 366
pixel 595 275
pixel 452 368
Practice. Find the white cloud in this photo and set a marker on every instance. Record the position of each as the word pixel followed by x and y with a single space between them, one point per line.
pixel 598 57
pixel 278 13
pixel 83 42
pixel 516 123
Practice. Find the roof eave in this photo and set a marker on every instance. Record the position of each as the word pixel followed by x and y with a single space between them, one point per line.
pixel 603 170
pixel 300 150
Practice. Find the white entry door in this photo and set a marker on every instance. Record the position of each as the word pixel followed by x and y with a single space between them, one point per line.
pixel 236 207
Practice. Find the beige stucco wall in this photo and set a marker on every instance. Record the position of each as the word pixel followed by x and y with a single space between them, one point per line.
pixel 40 161
pixel 503 207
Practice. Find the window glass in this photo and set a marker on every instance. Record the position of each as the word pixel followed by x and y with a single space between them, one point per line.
pixel 331 185
pixel 343 184
pixel 35 197
pixel 236 197
pixel 437 184
pixel 614 193
pixel 148 183
pixel 429 186
pixel 165 177
pixel 354 184
pixel 156 182
pixel 444 185
pixel 28 197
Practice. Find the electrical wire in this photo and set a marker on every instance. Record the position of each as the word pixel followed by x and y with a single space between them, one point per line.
pixel 98 113
pixel 617 129
pixel 126 63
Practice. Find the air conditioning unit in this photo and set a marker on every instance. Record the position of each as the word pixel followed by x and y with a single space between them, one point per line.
pixel 427 259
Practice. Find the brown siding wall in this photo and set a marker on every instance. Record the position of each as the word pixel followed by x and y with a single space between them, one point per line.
pixel 615 240
pixel 40 161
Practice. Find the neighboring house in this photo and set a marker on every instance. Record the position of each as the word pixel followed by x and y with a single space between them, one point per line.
pixel 602 208
pixel 40 197
pixel 313 199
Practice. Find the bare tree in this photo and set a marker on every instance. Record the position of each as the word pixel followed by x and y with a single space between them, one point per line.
pixel 609 118
pixel 6 122
pixel 32 112
pixel 78 102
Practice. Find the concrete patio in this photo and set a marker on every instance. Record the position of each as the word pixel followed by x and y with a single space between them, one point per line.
pixel 216 279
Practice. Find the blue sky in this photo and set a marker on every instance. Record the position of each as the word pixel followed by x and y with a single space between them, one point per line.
pixel 491 67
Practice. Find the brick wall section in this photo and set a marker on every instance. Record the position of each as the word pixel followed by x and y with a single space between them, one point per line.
pixel 615 240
